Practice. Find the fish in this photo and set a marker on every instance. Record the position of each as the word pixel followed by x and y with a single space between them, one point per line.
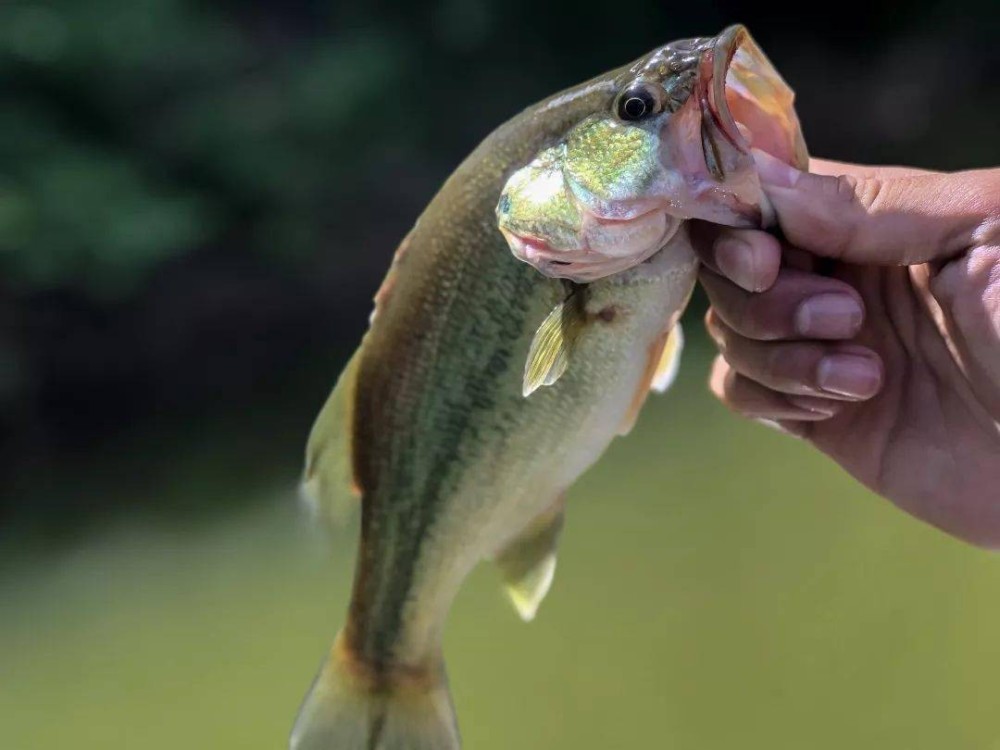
pixel 521 325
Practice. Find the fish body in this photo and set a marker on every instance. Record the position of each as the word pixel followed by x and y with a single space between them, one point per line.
pixel 480 392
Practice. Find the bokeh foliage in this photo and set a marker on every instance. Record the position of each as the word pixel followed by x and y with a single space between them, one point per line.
pixel 198 199
pixel 134 132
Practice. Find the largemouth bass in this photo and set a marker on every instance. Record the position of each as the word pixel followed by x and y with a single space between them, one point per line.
pixel 485 386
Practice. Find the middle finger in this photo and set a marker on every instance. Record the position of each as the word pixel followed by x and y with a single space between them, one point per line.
pixel 799 305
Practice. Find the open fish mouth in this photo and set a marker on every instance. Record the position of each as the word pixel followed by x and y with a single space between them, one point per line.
pixel 745 100
pixel 738 102
pixel 616 189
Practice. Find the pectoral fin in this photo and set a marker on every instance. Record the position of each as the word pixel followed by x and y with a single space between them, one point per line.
pixel 661 370
pixel 328 484
pixel 528 563
pixel 550 350
pixel 670 361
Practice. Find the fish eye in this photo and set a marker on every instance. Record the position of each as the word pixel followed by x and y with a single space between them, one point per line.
pixel 636 102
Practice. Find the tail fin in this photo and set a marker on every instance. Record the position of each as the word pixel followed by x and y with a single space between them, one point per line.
pixel 348 708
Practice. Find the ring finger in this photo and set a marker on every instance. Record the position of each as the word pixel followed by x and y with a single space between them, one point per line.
pixel 830 370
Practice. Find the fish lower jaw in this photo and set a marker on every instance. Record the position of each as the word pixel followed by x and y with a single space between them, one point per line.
pixel 618 253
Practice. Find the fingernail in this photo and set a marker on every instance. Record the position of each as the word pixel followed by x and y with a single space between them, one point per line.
pixel 794 429
pixel 774 172
pixel 712 326
pixel 829 316
pixel 736 260
pixel 822 406
pixel 772 424
pixel 849 375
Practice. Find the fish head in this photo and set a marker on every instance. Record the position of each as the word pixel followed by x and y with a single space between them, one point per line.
pixel 672 142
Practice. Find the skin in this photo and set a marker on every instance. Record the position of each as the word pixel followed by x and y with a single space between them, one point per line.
pixel 873 330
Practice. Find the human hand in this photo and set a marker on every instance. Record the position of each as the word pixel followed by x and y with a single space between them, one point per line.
pixel 874 333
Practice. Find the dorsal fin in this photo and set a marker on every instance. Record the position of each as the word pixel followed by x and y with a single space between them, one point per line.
pixel 328 483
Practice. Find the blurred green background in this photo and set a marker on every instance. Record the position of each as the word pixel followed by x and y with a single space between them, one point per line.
pixel 197 202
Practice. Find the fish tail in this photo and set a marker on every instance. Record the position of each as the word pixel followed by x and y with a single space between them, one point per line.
pixel 353 706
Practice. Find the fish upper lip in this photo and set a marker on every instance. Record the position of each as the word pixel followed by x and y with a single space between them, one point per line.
pixel 718 62
pixel 531 247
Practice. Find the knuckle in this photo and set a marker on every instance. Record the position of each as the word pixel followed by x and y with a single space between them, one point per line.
pixel 717 378
pixel 969 290
pixel 730 382
pixel 774 364
pixel 755 318
pixel 987 201
pixel 843 188
pixel 867 191
pixel 836 213
pixel 984 267
pixel 854 199
pixel 791 365
pixel 987 234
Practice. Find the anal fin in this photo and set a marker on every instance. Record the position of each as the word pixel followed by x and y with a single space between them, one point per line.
pixel 528 563
pixel 328 484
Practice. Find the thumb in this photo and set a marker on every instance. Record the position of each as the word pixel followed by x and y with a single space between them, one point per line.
pixel 887 217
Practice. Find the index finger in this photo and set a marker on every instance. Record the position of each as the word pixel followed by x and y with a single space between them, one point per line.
pixel 750 258
pixel 858 217
pixel 833 168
